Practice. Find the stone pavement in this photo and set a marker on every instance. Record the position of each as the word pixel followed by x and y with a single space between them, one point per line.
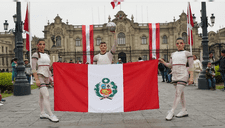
pixel 206 109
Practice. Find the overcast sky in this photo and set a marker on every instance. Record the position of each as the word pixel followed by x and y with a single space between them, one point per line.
pixel 86 12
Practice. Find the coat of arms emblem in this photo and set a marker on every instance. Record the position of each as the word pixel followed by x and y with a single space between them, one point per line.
pixel 105 89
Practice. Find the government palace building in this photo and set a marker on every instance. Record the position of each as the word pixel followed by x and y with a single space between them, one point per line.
pixel 64 40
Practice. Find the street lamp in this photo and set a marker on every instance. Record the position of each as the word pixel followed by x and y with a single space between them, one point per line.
pixel 21 86
pixel 6 25
pixel 14 18
pixel 13 31
pixel 202 82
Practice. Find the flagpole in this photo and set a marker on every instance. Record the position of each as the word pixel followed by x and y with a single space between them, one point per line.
pixel 142 13
pixel 190 43
pixel 147 14
pixel 136 13
pixel 104 14
pixel 120 6
pixel 92 16
pixel 98 16
pixel 31 79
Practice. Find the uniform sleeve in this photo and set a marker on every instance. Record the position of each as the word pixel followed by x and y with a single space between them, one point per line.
pixel 34 62
pixel 35 55
pixel 190 61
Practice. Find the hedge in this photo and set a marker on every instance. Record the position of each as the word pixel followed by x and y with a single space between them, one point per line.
pixel 6 82
pixel 218 75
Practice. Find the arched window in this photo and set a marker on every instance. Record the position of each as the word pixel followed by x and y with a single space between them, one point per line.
pixel 184 36
pixel 78 42
pixel 121 38
pixel 58 41
pixel 144 40
pixel 99 40
pixel 165 39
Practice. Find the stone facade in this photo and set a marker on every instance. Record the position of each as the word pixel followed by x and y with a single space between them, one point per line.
pixel 135 38
pixel 217 42
pixel 7 46
pixel 64 41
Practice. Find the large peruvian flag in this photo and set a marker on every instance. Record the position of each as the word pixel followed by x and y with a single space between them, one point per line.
pixel 106 88
pixel 88 43
pixel 154 40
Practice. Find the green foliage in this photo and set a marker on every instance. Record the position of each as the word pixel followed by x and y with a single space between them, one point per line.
pixel 218 75
pixel 6 79
pixel 219 79
pixel 6 95
pixel 6 82
pixel 34 86
pixel 219 87
pixel 217 69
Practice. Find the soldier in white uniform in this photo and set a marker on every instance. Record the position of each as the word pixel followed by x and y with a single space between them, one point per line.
pixel 105 57
pixel 42 75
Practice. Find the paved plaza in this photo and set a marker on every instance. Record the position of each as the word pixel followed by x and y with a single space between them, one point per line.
pixel 206 108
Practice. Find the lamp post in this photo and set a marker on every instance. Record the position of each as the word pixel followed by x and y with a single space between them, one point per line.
pixel 202 82
pixel 21 86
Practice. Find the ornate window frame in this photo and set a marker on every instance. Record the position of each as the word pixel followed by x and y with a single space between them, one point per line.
pixel 144 39
pixel 121 38
pixel 79 43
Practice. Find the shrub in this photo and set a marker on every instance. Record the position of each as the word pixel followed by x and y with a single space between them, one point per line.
pixel 218 75
pixel 6 82
pixel 219 79
pixel 217 69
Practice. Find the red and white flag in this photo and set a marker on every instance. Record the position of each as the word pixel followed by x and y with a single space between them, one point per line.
pixel 88 43
pixel 154 40
pixel 115 3
pixel 26 28
pixel 106 88
pixel 190 25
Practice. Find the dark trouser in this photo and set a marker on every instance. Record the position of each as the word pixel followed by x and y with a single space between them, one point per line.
pixel 164 74
pixel 212 82
pixel 170 77
pixel 28 78
pixel 223 77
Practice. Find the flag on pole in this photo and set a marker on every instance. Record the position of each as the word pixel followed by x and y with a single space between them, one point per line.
pixel 154 40
pixel 106 88
pixel 28 34
pixel 88 43
pixel 26 28
pixel 190 25
pixel 115 3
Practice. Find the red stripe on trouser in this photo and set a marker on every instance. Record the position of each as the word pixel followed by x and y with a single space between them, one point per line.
pixel 150 41
pixel 91 43
pixel 157 39
pixel 70 87
pixel 140 86
pixel 84 43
